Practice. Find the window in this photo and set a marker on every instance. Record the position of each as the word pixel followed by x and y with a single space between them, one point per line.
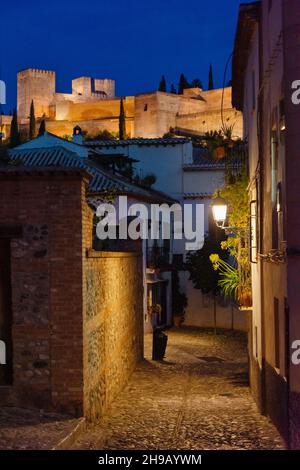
pixel 146 107
pixel 276 333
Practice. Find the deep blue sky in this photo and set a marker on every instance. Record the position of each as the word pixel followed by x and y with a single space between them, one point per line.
pixel 132 41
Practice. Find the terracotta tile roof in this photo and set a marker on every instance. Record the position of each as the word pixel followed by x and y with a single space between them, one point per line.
pixel 101 180
pixel 137 141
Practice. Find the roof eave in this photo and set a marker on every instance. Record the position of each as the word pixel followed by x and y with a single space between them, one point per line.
pixel 248 18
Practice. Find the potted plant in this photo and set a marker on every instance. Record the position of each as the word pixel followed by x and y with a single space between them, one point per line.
pixel 244 297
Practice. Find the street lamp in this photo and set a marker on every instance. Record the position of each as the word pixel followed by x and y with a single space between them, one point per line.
pixel 219 210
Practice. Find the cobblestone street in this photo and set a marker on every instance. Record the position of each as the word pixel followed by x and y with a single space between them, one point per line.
pixel 197 398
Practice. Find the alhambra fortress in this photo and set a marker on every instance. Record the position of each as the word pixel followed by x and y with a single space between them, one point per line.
pixel 94 107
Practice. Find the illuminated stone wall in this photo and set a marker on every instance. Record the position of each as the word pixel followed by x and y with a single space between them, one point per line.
pixel 147 115
pixel 113 328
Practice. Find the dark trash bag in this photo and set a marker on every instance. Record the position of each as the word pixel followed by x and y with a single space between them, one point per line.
pixel 159 344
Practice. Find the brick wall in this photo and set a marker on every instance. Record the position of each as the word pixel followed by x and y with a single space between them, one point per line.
pixel 72 315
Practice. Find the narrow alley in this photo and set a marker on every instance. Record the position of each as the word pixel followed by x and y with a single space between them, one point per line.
pixel 198 398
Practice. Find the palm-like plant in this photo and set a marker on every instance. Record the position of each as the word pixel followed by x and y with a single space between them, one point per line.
pixel 229 278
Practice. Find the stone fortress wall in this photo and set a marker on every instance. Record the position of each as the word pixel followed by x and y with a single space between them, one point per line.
pixel 94 106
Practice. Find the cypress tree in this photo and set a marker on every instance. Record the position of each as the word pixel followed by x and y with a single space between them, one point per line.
pixel 162 84
pixel 210 79
pixel 173 89
pixel 31 122
pixel 42 128
pixel 196 83
pixel 14 130
pixel 183 84
pixel 122 124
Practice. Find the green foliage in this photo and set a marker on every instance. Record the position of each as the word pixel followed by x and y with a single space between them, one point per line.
pixel 122 124
pixel 42 128
pixel 173 89
pixel 67 137
pixel 31 122
pixel 162 84
pixel 210 78
pixel 149 180
pixel 5 159
pixel 202 273
pixel 170 134
pixel 14 131
pixel 196 83
pixel 236 281
pixel 236 195
pixel 183 84
pixel 102 135
pixel 229 279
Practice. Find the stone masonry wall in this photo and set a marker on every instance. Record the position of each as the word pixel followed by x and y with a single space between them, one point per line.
pixel 113 327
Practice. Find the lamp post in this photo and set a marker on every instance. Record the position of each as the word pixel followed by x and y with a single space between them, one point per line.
pixel 219 209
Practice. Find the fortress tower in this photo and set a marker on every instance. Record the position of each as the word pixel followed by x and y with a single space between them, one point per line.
pixel 87 86
pixel 37 85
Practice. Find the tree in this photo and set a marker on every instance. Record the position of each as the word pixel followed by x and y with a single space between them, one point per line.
pixel 122 123
pixel 148 180
pixel 42 128
pixel 102 135
pixel 4 156
pixel 162 84
pixel 202 273
pixel 179 299
pixel 31 122
pixel 173 89
pixel 210 78
pixel 14 130
pixel 183 84
pixel 196 83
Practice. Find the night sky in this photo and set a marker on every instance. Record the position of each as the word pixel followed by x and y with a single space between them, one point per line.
pixel 132 41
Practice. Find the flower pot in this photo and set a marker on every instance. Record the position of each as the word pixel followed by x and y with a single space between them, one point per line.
pixel 245 297
pixel 219 152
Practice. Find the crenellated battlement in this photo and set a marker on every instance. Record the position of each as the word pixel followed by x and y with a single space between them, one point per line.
pixel 39 86
pixel 35 72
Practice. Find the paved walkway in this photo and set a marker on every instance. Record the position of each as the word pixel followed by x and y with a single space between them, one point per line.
pixel 198 398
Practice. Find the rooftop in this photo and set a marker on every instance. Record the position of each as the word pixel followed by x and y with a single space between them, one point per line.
pixel 137 141
pixel 101 181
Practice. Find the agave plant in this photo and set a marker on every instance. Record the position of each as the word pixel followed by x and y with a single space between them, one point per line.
pixel 229 276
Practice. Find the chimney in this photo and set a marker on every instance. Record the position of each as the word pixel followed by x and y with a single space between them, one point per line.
pixel 77 135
